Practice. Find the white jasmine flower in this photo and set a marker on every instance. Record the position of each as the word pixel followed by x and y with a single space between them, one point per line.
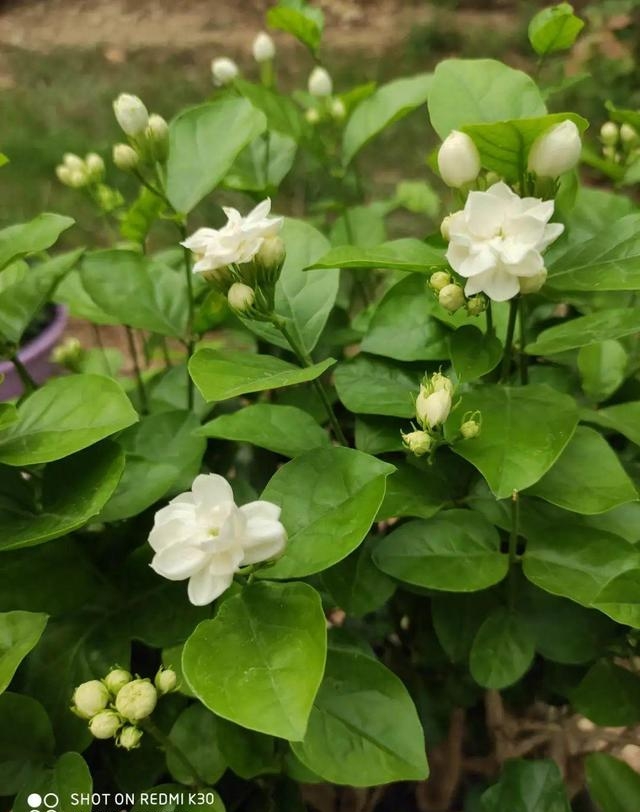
pixel 224 71
pixel 320 83
pixel 235 243
pixel 458 160
pixel 556 151
pixel 499 237
pixel 203 536
pixel 263 47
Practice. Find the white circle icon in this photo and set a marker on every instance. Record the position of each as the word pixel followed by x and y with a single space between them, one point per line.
pixel 34 800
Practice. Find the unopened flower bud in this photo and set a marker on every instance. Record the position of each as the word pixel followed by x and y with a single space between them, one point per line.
pixel 129 738
pixel 263 47
pixel 312 115
pixel 470 429
pixel 439 280
pixel 440 382
pixel 90 698
pixel 556 151
pixel 64 174
pixel 628 134
pixel 117 679
pixel 320 83
pixel 131 114
pixel 241 297
pixel 166 680
pixel 451 297
pixel 532 284
pixel 476 305
pixel 609 133
pixel 105 724
pixel 73 162
pixel 338 110
pixel 610 153
pixel 95 166
pixel 432 410
pixel 271 253
pixel 68 354
pixel 125 157
pixel 157 134
pixel 458 160
pixel 418 442
pixel 444 228
pixel 224 71
pixel 136 700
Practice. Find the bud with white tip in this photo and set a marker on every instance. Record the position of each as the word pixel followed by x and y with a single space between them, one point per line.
pixel 129 738
pixel 434 401
pixel 312 115
pixel 439 280
pixel 476 305
pixel 90 698
pixel 532 284
pixel 131 114
pixel 73 162
pixel 470 429
pixel 451 297
pixel 628 134
pixel 105 724
pixel 166 681
pixel 445 226
pixel 271 253
pixel 609 133
pixel 125 157
pixel 320 83
pixel 95 166
pixel 458 160
pixel 241 297
pixel 64 175
pixel 117 679
pixel 263 47
pixel 224 71
pixel 157 134
pixel 418 442
pixel 338 110
pixel 136 700
pixel 556 151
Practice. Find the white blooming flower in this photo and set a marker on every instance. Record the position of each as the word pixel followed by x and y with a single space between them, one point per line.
pixel 236 242
pixel 499 237
pixel 556 151
pixel 224 71
pixel 203 536
pixel 263 47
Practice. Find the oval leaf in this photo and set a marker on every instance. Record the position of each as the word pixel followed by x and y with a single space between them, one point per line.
pixel 502 651
pixel 19 633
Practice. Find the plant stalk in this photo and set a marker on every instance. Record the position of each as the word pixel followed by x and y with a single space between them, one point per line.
pixel 190 318
pixel 523 360
pixel 508 346
pixel 133 354
pixel 513 548
pixel 23 373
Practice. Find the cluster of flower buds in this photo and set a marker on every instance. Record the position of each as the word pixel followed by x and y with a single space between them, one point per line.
pixel 148 135
pixel 326 106
pixel 620 144
pixel 69 354
pixel 115 706
pixel 451 295
pixel 77 172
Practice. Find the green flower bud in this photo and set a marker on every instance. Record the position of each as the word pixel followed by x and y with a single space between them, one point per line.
pixel 418 442
pixel 439 280
pixel 68 354
pixel 117 679
pixel 95 166
pixel 338 110
pixel 532 284
pixel 271 253
pixel 609 133
pixel 451 297
pixel 628 134
pixel 312 115
pixel 73 162
pixel 166 681
pixel 241 297
pixel 105 724
pixel 90 698
pixel 157 134
pixel 125 157
pixel 136 700
pixel 129 738
pixel 476 305
pixel 470 429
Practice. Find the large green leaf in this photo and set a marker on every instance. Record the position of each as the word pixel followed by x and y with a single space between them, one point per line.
pixel 263 164
pixel 614 785
pixel 401 327
pixel 387 104
pixel 138 291
pixel 527 786
pixel 32 237
pixel 470 91
pixel 580 332
pixel 19 633
pixel 402 255
pixel 455 551
pixel 74 490
pixel 69 779
pixel 587 477
pixel 457 617
pixel 363 729
pixel 356 584
pixel 603 368
pixel 473 353
pixel 608 695
pixel 372 386
pixel 418 492
pixel 554 29
pixel 220 375
pixel 260 661
pixel 26 741
pixel 195 733
pixel 8 414
pixel 284 429
pixel 283 114
pixel 623 418
pixel 204 143
pixel 72 293
pixel 65 416
pixel 502 651
pixel 515 447
pixel 329 499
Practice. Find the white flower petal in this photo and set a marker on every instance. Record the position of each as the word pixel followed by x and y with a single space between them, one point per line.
pixel 204 587
pixel 477 263
pixel 485 214
pixel 179 561
pixel 211 489
pixel 261 509
pixel 263 539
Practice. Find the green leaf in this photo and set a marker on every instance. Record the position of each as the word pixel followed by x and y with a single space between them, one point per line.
pixel 356 584
pixel 602 369
pixel 623 418
pixel 502 651
pixel 65 416
pixel 247 753
pixel 504 146
pixel 305 300
pixel 26 741
pixel 527 786
pixel 455 551
pixel 456 619
pixel 141 215
pixel 32 289
pixel 303 21
pixel 608 695
pixel 162 453
pixel 263 164
pixel 69 779
pixel 470 91
pixel 586 330
pixel 401 327
pixel 347 486
pixel 282 429
pixel 378 435
pixel 614 785
pixel 31 238
pixel 511 428
pixel 204 142
pixel 72 293
pixel 195 733
pixel 554 29
pixel 137 291
pixel 260 661
pixel 587 477
pixel 372 386
pixel 74 490
pixel 473 353
pixel 220 375
pixel 402 255
pixel 19 633
pixel 386 105
pixel 8 415
pixel 283 114
pixel 363 729
pixel 413 491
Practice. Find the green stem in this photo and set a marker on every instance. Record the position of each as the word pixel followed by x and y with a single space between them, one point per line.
pixel 513 548
pixel 170 747
pixel 133 354
pixel 523 360
pixel 306 361
pixel 508 345
pixel 28 383
pixel 165 352
pixel 105 358
pixel 489 316
pixel 190 318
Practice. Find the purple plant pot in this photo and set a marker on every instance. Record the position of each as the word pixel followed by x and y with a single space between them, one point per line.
pixel 35 355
